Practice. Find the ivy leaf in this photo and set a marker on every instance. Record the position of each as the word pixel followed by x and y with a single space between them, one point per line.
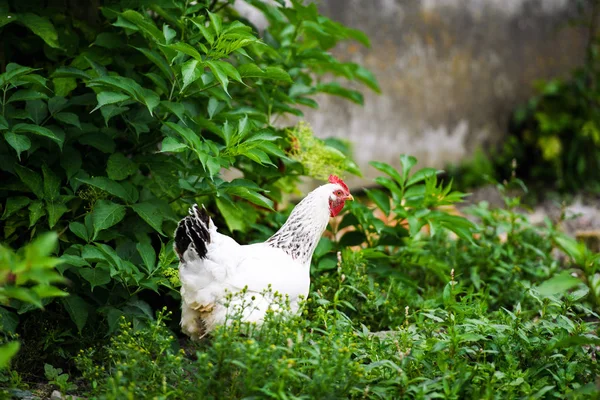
pixel 38 130
pixel 42 27
pixel 106 214
pixel 98 276
pixel 78 310
pixel 68 118
pixel 18 142
pixel 120 167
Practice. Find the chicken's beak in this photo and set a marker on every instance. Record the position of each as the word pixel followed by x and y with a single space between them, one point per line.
pixel 349 197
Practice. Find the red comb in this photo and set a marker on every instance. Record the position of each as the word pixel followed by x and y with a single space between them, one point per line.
pixel 336 179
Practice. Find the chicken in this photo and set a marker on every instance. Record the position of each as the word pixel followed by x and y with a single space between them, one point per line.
pixel 212 265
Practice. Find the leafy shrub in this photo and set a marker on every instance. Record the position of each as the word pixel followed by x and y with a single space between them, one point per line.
pixel 455 348
pixel 111 128
pixel 27 280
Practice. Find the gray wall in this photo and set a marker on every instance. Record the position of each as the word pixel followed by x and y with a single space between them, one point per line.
pixel 451 72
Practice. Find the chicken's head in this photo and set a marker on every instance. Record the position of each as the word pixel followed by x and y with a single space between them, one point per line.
pixel 338 196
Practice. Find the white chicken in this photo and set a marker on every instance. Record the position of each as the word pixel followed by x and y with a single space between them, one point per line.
pixel 211 265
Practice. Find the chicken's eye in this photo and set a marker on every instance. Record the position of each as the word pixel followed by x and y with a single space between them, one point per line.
pixel 338 193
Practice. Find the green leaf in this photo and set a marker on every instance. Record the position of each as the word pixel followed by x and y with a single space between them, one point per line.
pixel 79 230
pixel 407 163
pixel 169 33
pixel 380 199
pixel 55 211
pixel 216 22
pixel 56 104
pixel 109 40
pixel 190 72
pixel 176 108
pixel 70 72
pixel 26 94
pixel 51 184
pixel 335 89
pixel 38 130
pixel 129 86
pixel 186 49
pixel 37 110
pixel 120 167
pixel 78 310
pixel 7 352
pixel 151 214
pixel 31 179
pixel 68 118
pixel 13 71
pixel 18 142
pixel 98 276
pixel 220 74
pixel 105 98
pixel 558 284
pixel 42 27
pixel 106 214
pixel 170 144
pixel 110 186
pixel 64 86
pixel 144 24
pixel 389 170
pixel 148 255
pixel 233 216
pixel 159 61
pixel 3 123
pixel 36 211
pixel 14 204
pixel 422 175
pixel 253 71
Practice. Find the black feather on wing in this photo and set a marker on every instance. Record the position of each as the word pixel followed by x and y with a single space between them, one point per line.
pixel 193 230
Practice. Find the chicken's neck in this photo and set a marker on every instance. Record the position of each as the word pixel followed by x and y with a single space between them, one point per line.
pixel 300 234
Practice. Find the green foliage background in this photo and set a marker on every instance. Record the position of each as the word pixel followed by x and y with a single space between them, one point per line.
pixel 114 120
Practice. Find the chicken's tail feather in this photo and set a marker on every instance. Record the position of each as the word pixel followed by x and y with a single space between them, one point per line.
pixel 193 230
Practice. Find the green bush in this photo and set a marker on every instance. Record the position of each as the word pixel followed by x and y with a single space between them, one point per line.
pixel 111 128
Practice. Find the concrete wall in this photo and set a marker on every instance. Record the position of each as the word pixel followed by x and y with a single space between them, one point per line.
pixel 451 72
